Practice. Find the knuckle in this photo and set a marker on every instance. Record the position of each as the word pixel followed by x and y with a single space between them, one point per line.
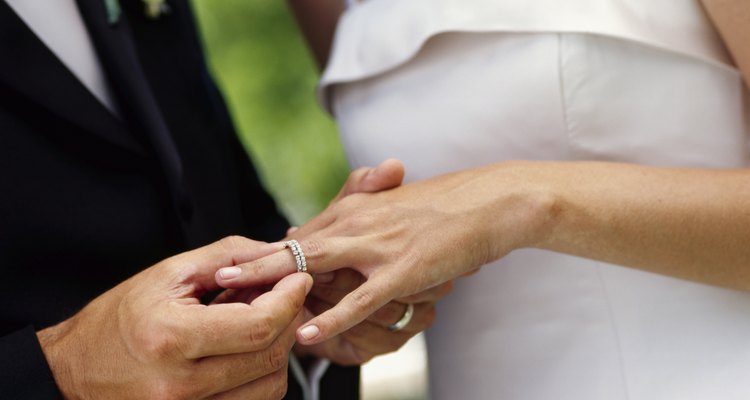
pixel 231 242
pixel 362 299
pixel 360 220
pixel 262 332
pixel 156 343
pixel 275 358
pixel 313 248
pixel 355 177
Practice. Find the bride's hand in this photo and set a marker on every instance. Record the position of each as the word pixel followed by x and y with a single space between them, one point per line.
pixel 411 238
pixel 371 337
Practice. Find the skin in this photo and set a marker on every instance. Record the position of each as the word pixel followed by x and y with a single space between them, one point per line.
pixel 317 22
pixel 150 336
pixel 688 223
pixel 368 338
pixel 732 21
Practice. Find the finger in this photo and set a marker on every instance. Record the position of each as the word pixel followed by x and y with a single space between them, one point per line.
pixel 431 295
pixel 387 175
pixel 351 310
pixel 199 266
pixel 322 255
pixel 337 349
pixel 271 386
pixel 389 314
pixel 231 371
pixel 239 328
pixel 345 280
pixel 368 338
pixel 291 230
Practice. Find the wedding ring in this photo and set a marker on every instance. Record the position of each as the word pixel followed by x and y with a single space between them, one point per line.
pixel 299 255
pixel 401 324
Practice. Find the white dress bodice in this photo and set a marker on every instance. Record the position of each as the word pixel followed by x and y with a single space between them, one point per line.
pixel 554 80
pixel 378 35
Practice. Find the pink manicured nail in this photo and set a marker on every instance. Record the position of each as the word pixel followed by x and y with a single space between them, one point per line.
pixel 229 272
pixel 309 332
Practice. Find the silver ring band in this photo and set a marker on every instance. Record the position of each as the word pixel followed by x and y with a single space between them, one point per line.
pixel 401 324
pixel 299 255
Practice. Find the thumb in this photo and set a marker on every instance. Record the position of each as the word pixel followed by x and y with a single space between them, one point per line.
pixel 387 175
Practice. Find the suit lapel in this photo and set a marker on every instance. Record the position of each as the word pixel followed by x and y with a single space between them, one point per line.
pixel 119 56
pixel 29 68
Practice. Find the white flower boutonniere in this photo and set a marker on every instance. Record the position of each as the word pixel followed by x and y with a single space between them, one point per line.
pixel 155 8
pixel 152 8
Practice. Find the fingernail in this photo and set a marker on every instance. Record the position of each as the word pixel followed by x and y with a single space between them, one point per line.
pixel 309 332
pixel 229 272
pixel 325 277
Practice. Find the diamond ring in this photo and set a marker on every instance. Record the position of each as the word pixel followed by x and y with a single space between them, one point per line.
pixel 299 256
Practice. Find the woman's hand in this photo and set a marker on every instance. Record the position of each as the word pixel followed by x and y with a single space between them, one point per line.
pixel 686 223
pixel 410 239
pixel 371 337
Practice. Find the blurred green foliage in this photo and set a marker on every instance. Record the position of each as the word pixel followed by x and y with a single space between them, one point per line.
pixel 268 79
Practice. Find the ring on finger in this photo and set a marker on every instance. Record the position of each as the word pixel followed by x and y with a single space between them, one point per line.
pixel 299 255
pixel 405 319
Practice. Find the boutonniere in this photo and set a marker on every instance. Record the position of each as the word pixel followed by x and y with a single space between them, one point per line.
pixel 152 8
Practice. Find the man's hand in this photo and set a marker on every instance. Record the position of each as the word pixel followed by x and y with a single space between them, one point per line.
pixel 151 338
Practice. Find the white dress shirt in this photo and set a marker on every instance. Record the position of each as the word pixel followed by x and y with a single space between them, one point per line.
pixel 59 25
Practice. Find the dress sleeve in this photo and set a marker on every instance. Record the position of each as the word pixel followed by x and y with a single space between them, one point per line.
pixel 24 372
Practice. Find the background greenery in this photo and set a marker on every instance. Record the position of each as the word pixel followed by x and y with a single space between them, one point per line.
pixel 268 78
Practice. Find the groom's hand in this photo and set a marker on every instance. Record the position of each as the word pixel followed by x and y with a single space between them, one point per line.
pixel 151 338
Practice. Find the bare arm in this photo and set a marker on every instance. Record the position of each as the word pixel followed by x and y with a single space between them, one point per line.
pixel 317 21
pixel 688 223
pixel 732 20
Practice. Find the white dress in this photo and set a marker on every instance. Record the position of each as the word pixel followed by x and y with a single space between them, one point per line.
pixel 446 85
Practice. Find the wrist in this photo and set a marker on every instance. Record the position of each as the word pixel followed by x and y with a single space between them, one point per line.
pixel 531 204
pixel 52 341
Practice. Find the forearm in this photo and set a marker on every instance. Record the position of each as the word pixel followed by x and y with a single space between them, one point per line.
pixel 317 21
pixel 689 223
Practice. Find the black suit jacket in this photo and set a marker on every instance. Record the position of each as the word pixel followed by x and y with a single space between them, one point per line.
pixel 88 199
